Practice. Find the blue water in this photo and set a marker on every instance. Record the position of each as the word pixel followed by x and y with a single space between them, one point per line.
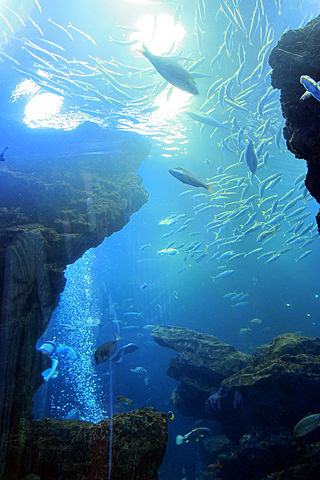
pixel 126 273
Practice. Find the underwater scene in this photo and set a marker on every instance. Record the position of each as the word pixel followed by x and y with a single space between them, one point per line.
pixel 160 181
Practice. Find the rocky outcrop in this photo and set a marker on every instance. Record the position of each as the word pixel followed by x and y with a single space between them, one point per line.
pixel 296 55
pixel 277 388
pixel 202 363
pixel 258 401
pixel 71 449
pixel 54 205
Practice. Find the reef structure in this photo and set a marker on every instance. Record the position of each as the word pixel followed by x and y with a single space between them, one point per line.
pixel 293 56
pixel 61 195
pixel 258 401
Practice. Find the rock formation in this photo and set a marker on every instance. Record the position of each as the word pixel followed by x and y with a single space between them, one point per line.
pixel 72 449
pixel 292 57
pixel 257 399
pixel 203 361
pixel 61 195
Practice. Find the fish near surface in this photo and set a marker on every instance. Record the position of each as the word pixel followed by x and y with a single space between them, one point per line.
pixel 187 177
pixel 104 352
pixel 172 72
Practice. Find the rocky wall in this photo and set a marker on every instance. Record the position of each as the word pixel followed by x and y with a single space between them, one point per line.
pixel 56 201
pixel 294 55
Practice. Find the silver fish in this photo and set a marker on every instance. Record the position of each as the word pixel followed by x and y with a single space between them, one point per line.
pixel 185 176
pixel 172 72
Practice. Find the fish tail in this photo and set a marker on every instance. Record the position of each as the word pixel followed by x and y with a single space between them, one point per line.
pixel 144 49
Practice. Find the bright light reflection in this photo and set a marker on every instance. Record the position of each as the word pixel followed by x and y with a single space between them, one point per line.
pixel 170 105
pixel 27 87
pixel 159 33
pixel 43 107
pixel 141 1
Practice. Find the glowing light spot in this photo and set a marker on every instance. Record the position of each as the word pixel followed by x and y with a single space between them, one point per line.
pixel 160 33
pixel 316 296
pixel 27 87
pixel 140 1
pixel 288 305
pixel 170 104
pixel 42 107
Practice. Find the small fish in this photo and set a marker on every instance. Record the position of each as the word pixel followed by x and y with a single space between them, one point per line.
pixel 84 34
pixel 187 177
pixel 311 86
pixel 225 273
pixel 144 246
pixel 245 330
pixel 194 434
pixel 170 415
pixel 256 321
pixel 139 370
pixel 168 251
pixel 306 425
pixel 172 72
pixel 2 159
pixel 124 400
pixel 303 255
pixel 104 352
pixel 206 119
pixel 129 348
pixel 143 286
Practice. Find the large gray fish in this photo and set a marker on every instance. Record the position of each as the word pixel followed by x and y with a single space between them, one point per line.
pixel 185 176
pixel 172 71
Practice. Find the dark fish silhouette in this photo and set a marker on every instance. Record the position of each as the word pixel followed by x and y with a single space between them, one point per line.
pixel 251 157
pixel 2 159
pixel 105 351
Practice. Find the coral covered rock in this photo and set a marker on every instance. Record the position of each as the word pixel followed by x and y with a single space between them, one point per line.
pixel 72 449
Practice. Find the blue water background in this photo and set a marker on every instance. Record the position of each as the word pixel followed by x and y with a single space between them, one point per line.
pixel 107 283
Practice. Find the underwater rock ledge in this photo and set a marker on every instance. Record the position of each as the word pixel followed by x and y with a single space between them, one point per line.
pixel 294 55
pixel 258 401
pixel 54 205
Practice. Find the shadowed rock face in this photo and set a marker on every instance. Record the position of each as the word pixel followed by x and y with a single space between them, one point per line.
pixel 54 205
pixel 295 55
